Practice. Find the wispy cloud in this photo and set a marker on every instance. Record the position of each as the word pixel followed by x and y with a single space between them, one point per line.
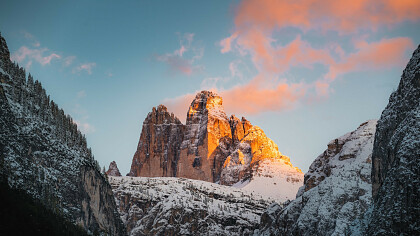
pixel 178 61
pixel 69 60
pixel 32 38
pixel 84 67
pixel 42 56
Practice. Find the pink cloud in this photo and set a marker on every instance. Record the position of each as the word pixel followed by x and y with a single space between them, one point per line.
pixel 377 55
pixel 251 98
pixel 344 16
pixel 258 21
pixel 226 43
pixel 256 97
pixel 25 53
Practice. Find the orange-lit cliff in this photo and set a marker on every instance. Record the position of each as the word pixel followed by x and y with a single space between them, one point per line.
pixel 212 147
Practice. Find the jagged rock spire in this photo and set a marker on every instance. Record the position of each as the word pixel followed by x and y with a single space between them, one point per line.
pixel 113 169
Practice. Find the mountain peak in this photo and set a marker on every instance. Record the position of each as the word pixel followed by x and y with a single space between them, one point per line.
pixel 160 115
pixel 213 147
pixel 113 169
pixel 206 103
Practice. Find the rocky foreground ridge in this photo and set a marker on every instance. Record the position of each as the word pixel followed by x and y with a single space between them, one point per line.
pixel 336 190
pixel 396 155
pixel 213 147
pixel 44 154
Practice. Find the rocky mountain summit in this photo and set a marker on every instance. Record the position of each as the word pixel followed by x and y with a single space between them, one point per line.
pixel 336 190
pixel 43 154
pixel 396 166
pixel 214 148
pixel 207 139
pixel 113 169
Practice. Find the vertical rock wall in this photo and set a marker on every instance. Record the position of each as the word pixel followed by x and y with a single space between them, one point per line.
pixel 158 149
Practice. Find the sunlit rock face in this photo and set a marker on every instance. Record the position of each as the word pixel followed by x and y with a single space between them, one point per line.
pixel 206 140
pixel 336 190
pixel 214 148
pixel 257 165
pixel 158 149
pixel 113 169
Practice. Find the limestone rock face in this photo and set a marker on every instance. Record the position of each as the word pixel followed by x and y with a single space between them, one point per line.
pixel 396 165
pixel 159 145
pixel 113 169
pixel 214 148
pixel 336 190
pixel 206 140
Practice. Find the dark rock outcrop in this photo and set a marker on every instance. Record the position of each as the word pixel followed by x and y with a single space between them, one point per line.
pixel 396 159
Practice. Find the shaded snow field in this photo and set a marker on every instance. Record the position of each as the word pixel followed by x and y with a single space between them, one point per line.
pixel 164 205
pixel 217 199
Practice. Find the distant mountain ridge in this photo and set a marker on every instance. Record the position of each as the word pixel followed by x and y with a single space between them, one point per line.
pixel 213 148
pixel 44 154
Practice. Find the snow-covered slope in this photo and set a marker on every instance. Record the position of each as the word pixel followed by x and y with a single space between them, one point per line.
pixel 337 190
pixel 274 178
pixel 179 206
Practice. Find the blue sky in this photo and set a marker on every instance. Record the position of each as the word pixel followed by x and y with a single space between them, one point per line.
pixel 107 64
